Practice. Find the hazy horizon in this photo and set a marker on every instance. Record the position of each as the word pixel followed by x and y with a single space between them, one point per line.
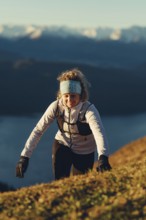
pixel 94 13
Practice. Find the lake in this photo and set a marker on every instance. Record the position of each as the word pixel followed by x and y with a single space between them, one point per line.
pixel 14 131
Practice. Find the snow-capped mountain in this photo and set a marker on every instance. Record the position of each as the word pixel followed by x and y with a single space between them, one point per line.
pixel 132 34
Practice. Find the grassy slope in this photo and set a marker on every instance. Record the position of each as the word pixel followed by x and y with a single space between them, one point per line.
pixel 119 194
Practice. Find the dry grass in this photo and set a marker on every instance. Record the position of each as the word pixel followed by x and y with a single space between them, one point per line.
pixel 119 194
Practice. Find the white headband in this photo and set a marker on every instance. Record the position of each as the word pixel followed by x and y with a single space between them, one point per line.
pixel 70 86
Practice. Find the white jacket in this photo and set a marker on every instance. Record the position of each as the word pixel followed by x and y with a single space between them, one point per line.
pixel 78 143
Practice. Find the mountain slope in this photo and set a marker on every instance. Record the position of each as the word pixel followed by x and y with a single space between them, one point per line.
pixel 132 152
pixel 107 47
pixel 119 194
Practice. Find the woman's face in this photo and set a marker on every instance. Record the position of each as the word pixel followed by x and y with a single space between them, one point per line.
pixel 71 99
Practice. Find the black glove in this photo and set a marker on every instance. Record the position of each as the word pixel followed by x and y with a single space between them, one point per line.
pixel 103 164
pixel 22 166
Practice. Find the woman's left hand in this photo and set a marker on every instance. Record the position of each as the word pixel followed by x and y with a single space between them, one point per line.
pixel 103 164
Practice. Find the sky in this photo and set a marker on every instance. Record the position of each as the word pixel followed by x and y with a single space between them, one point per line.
pixel 74 13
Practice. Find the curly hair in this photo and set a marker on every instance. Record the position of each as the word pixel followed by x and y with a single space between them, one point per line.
pixel 76 75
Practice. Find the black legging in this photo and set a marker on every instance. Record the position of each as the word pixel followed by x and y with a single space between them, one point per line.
pixel 64 158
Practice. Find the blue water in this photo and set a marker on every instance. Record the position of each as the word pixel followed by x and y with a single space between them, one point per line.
pixel 14 131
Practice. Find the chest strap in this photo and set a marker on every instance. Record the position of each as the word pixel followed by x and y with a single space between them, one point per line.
pixel 83 127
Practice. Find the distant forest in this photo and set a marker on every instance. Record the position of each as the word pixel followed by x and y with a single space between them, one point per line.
pixel 28 86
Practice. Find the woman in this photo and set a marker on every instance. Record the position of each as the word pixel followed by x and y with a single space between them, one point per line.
pixel 80 130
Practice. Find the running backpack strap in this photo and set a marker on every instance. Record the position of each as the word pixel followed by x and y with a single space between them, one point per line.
pixel 59 118
pixel 83 126
pixel 57 109
pixel 83 111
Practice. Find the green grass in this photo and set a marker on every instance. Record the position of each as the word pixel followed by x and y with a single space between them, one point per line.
pixel 119 194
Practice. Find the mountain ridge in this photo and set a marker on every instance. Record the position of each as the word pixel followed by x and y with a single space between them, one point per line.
pixel 106 47
pixel 131 34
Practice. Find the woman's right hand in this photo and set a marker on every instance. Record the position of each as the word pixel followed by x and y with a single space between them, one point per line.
pixel 21 166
